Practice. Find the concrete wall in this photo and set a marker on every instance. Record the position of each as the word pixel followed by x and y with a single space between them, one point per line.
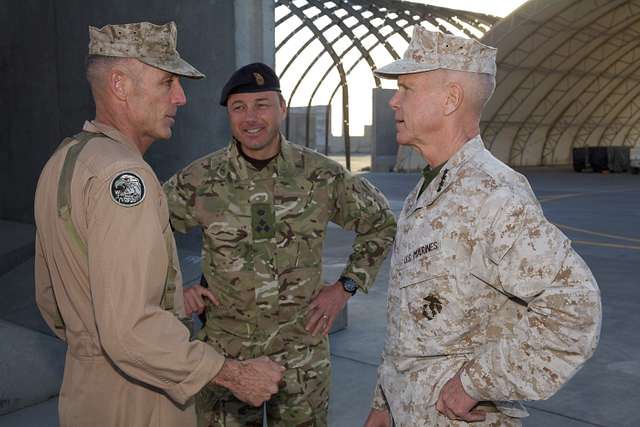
pixel 297 122
pixel 255 32
pixel 44 95
pixel 358 144
pixel 384 147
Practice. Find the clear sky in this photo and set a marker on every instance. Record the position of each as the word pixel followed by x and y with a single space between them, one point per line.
pixel 360 81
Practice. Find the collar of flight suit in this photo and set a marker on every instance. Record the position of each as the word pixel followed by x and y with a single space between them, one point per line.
pixel 112 133
pixel 239 168
pixel 446 176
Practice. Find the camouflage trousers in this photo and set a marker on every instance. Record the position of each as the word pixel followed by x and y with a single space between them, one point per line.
pixel 302 401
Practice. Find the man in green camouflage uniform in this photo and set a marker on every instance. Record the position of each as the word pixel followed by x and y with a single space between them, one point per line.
pixel 263 204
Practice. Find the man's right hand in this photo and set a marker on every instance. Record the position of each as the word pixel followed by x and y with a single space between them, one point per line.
pixel 194 299
pixel 378 418
pixel 253 381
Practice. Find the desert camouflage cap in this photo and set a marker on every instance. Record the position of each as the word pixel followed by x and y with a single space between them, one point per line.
pixel 152 44
pixel 430 50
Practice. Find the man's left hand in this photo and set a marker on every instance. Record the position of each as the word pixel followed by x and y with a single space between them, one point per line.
pixel 456 404
pixel 324 309
pixel 194 299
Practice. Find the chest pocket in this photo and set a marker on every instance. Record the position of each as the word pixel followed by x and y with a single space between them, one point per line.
pixel 227 241
pixel 431 306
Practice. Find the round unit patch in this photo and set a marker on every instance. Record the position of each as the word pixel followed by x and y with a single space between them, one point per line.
pixel 127 189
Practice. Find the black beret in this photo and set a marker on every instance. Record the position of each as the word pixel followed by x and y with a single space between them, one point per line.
pixel 256 77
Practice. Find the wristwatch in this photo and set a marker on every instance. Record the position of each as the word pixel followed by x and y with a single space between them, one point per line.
pixel 348 284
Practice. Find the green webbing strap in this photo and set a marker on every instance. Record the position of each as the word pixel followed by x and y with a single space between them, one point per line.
pixel 170 281
pixel 64 185
pixel 64 143
pixel 64 197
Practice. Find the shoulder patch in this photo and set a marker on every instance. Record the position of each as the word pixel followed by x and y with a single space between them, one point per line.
pixel 127 189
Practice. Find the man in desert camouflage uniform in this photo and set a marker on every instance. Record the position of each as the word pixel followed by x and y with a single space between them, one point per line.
pixel 264 204
pixel 488 303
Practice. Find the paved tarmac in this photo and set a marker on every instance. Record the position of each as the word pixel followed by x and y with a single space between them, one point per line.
pixel 600 213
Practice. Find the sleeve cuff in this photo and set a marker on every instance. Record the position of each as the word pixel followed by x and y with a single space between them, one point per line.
pixel 209 366
pixel 468 384
pixel 379 402
pixel 350 274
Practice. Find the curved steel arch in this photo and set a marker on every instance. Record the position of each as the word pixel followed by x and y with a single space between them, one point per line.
pixel 343 80
pixel 572 109
pixel 512 61
pixel 614 131
pixel 568 75
pixel 324 76
pixel 626 88
pixel 356 41
pixel 528 83
pixel 412 13
pixel 586 107
pixel 353 66
pixel 377 34
pixel 391 51
pixel 545 107
pixel 634 130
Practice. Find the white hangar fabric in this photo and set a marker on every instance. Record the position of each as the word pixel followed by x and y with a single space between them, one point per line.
pixel 568 76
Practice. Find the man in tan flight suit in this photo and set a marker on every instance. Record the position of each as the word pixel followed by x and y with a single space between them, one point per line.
pixel 107 277
pixel 488 303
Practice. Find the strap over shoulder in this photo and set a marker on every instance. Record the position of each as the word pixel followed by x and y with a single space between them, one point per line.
pixel 64 184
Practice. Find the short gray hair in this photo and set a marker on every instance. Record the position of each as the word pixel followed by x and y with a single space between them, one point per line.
pixel 97 65
pixel 486 88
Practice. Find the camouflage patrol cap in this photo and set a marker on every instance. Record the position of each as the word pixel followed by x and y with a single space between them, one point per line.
pixel 430 51
pixel 152 44
pixel 256 77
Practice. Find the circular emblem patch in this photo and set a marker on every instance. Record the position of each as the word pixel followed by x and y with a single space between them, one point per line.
pixel 127 189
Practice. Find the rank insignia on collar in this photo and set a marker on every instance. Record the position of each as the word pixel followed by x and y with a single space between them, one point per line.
pixel 127 189
pixel 444 176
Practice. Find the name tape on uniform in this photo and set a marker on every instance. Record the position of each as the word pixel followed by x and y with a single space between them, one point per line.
pixel 421 251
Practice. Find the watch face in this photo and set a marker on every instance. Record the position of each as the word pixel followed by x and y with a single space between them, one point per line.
pixel 349 285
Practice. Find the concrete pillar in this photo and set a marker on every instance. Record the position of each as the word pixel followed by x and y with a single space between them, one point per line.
pixel 385 153
pixel 254 32
pixel 383 147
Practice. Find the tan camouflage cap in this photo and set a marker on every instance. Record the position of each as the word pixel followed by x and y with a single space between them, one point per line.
pixel 430 51
pixel 152 44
